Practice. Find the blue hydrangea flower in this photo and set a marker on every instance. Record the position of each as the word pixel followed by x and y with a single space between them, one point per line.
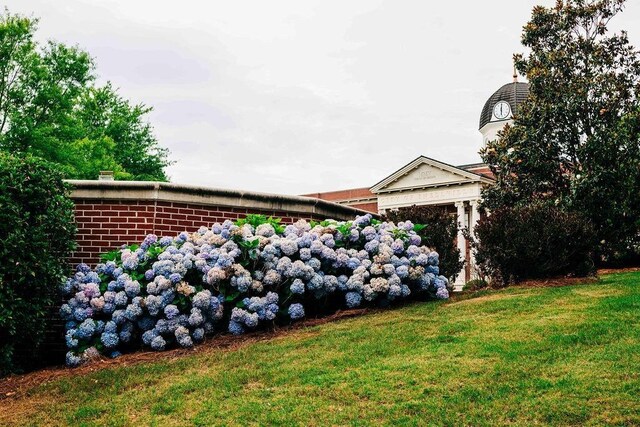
pixel 109 339
pixel 132 288
pixel 80 314
pixel 165 241
pixel 251 320
pixel 236 328
pixel 314 263
pixel 362 221
pixel 121 299
pixel 353 299
pixel 433 269
pixel 71 324
pixel 72 342
pixel 125 336
pixel 158 343
pixel 73 360
pixel 171 311
pixel 296 311
pixel 353 263
pixel 196 318
pixel 86 329
pixel 132 312
pixel 442 293
pixel 198 334
pixel 183 338
pixel 148 336
pixel 66 312
pixel 305 254
pixel 395 291
pixel 297 287
pixel 148 241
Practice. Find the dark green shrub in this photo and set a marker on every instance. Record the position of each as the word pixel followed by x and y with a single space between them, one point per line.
pixel 439 234
pixel 475 285
pixel 533 242
pixel 36 235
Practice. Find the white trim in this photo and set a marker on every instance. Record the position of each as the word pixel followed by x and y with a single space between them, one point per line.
pixel 422 160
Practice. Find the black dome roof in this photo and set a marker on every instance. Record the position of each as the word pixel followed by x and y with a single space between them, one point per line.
pixel 513 93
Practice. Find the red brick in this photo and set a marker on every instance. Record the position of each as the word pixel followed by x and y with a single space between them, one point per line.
pixel 117 220
pixel 137 220
pixel 125 225
pixel 170 210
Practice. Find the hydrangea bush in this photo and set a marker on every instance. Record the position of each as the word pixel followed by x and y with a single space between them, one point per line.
pixel 241 276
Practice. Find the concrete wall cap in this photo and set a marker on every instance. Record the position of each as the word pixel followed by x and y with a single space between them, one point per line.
pixel 169 192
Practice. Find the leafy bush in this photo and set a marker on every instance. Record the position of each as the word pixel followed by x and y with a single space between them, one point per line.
pixel 532 242
pixel 475 285
pixel 36 236
pixel 439 233
pixel 239 278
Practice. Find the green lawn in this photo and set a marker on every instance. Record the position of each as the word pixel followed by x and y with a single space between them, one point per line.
pixel 521 356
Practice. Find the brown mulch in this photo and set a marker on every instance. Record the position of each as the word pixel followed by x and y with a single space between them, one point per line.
pixel 558 282
pixel 17 385
pixel 618 270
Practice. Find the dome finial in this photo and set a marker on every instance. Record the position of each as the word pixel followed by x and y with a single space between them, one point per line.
pixel 515 74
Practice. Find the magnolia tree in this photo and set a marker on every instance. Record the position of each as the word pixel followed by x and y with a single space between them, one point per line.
pixel 575 141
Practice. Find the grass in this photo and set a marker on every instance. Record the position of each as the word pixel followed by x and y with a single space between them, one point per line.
pixel 520 356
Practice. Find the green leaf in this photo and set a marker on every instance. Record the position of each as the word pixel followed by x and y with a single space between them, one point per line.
pixel 231 297
pixel 419 227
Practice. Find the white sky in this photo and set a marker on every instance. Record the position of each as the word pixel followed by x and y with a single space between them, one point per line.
pixel 300 96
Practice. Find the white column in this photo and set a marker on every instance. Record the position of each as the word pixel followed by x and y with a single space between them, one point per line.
pixel 475 217
pixel 462 245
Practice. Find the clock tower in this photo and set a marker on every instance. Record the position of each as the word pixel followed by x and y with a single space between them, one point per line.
pixel 500 108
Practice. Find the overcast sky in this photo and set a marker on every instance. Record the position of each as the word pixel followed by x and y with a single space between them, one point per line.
pixel 302 96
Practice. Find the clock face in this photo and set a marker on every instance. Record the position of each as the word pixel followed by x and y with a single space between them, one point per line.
pixel 502 110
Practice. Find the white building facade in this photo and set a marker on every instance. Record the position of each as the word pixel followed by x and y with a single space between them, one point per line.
pixel 429 182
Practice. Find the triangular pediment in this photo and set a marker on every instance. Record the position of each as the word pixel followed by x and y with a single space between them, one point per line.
pixel 425 172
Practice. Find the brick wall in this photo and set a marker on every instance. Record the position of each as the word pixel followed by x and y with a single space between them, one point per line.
pixel 109 215
pixel 106 225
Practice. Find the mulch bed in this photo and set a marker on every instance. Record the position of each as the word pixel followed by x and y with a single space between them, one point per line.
pixel 558 282
pixel 618 270
pixel 17 385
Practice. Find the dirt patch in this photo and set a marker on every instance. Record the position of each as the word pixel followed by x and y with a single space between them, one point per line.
pixel 557 282
pixel 618 270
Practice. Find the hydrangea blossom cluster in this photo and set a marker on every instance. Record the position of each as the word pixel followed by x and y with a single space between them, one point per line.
pixel 237 277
